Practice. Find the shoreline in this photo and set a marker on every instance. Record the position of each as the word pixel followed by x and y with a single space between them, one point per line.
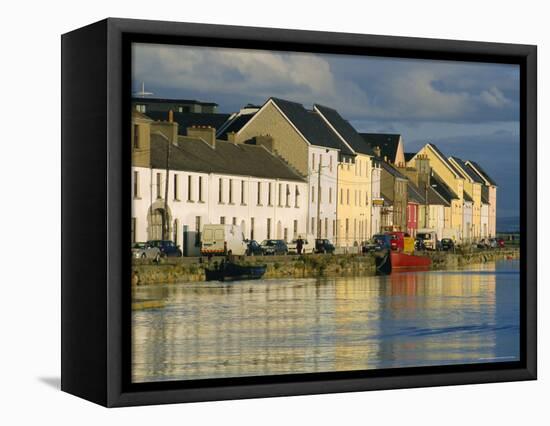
pixel 181 270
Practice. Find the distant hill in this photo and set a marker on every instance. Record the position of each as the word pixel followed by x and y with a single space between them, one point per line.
pixel 508 224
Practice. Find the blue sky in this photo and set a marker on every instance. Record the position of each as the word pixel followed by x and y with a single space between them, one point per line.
pixel 468 109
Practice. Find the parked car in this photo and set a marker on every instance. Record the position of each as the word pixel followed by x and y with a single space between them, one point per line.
pixel 253 248
pixel 307 247
pixel 167 248
pixel 222 239
pixel 378 242
pixel 145 251
pixel 447 244
pixel 273 247
pixel 322 245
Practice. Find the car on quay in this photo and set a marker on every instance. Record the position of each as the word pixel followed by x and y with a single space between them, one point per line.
pixel 447 244
pixel 274 247
pixel 219 239
pixel 378 242
pixel 308 246
pixel 145 251
pixel 429 237
pixel 167 248
pixel 323 245
pixel 419 244
pixel 253 248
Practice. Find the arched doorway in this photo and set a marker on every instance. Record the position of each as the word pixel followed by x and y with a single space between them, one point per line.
pixel 156 222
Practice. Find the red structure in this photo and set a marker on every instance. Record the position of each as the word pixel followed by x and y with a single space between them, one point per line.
pixel 412 218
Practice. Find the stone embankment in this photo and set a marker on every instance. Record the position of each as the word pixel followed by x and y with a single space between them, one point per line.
pixel 310 266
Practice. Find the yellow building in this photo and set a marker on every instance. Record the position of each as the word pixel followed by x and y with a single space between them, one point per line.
pixel 452 178
pixel 354 209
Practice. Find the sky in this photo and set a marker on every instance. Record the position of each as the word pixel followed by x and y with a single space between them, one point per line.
pixel 470 110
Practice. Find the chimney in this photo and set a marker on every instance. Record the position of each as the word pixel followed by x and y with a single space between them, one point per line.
pixel 376 150
pixel 264 140
pixel 231 137
pixel 206 133
pixel 170 116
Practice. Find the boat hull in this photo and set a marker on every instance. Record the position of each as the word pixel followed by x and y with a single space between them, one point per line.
pixel 233 272
pixel 401 260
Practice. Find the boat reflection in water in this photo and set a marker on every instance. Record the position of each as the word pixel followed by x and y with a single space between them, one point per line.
pixel 213 330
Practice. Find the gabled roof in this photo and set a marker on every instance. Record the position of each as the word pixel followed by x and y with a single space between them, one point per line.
pixel 189 119
pixel 441 188
pixel 477 168
pixel 465 170
pixel 387 142
pixel 311 125
pixel 445 160
pixel 194 154
pixel 344 129
pixel 419 195
pixel 234 125
pixel 414 194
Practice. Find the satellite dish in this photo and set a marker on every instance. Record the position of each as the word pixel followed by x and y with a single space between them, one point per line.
pixel 143 93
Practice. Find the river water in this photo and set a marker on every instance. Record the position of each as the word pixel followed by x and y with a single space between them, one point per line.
pixel 281 326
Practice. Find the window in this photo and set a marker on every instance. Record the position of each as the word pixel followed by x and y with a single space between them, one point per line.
pixel 243 200
pixel 176 186
pixel 296 197
pixel 159 189
pixel 222 220
pixel 136 136
pixel 347 195
pixel 347 227
pixel 295 228
pixel 319 194
pixel 330 194
pixel 230 191
pixel 280 194
pixel 197 231
pixel 341 195
pixel 313 161
pixel 330 162
pixel 234 221
pixel 269 190
pixel 285 236
pixel 326 227
pixel 366 198
pixel 312 194
pixel 136 184
pixel 333 227
pixel 287 201
pixel 141 108
pixel 220 191
pixel 251 228
pixel 189 188
pixel 259 194
pixel 133 230
pixel 268 228
pixel 200 189
pixel 313 225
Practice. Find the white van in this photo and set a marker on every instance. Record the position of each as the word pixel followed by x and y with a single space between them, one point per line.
pixel 429 236
pixel 222 240
pixel 307 248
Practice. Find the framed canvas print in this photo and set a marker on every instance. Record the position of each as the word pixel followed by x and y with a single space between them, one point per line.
pixel 253 212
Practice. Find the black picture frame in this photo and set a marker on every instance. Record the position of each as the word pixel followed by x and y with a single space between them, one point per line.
pixel 95 193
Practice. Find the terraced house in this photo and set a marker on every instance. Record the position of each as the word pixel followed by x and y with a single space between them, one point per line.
pixel 181 183
pixel 490 188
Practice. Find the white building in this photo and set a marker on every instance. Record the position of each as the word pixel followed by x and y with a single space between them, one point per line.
pixel 211 181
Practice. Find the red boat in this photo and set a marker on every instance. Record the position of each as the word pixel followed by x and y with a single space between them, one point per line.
pixel 403 260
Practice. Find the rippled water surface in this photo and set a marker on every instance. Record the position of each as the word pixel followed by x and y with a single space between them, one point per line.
pixel 250 328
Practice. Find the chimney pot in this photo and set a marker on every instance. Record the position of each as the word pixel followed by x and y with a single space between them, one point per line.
pixel 170 116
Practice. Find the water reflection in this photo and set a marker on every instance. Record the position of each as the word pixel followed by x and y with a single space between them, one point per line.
pixel 209 330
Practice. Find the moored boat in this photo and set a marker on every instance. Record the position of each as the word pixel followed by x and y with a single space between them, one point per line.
pixel 400 260
pixel 230 271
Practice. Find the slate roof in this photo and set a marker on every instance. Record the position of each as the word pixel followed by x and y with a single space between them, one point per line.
pixel 234 125
pixel 414 194
pixel 345 129
pixel 441 188
pixel 311 125
pixel 467 170
pixel 445 159
pixel 482 172
pixel 419 194
pixel 392 171
pixel 467 197
pixel 409 156
pixel 387 142
pixel 193 154
pixel 188 119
